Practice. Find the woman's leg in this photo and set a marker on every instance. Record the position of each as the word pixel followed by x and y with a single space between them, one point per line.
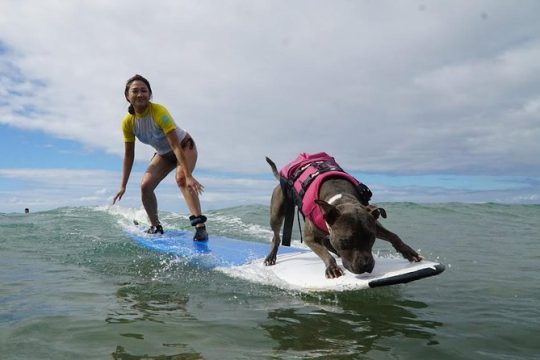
pixel 192 199
pixel 157 170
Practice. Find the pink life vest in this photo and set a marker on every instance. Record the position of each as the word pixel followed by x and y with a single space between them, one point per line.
pixel 306 174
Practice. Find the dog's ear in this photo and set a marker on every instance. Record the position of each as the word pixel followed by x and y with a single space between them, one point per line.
pixel 376 211
pixel 330 212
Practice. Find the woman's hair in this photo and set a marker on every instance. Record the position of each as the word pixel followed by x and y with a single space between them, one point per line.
pixel 136 77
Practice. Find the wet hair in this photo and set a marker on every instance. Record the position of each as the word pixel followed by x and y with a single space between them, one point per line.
pixel 136 77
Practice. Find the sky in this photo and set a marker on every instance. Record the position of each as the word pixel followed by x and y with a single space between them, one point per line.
pixel 423 101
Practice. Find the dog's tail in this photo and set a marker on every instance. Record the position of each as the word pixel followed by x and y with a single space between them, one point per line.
pixel 273 166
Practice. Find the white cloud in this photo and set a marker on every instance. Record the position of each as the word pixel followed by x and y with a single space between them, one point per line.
pixel 388 86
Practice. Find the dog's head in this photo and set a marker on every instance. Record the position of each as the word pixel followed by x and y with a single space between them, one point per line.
pixel 353 229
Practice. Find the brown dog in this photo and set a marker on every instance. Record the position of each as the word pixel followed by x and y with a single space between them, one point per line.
pixel 352 228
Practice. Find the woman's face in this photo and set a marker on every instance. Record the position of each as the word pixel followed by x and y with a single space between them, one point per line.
pixel 138 95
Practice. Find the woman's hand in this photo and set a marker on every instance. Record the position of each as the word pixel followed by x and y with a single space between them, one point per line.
pixel 194 186
pixel 119 195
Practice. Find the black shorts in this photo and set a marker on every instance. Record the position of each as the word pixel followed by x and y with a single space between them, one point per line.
pixel 171 157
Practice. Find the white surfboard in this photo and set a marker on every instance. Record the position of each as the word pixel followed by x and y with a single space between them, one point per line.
pixel 296 268
pixel 305 271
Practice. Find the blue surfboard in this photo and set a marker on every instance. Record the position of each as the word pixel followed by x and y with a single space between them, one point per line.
pixel 218 251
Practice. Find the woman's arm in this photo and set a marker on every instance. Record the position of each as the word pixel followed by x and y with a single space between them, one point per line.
pixel 192 184
pixel 172 137
pixel 129 157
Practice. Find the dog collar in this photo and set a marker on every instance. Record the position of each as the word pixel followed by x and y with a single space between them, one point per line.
pixel 334 198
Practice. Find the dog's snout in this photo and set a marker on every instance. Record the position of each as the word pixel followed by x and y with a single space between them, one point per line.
pixel 361 264
pixel 368 267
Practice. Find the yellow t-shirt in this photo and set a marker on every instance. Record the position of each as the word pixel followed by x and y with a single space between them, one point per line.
pixel 151 128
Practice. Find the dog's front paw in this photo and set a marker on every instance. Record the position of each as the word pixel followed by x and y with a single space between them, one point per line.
pixel 333 272
pixel 270 260
pixel 408 253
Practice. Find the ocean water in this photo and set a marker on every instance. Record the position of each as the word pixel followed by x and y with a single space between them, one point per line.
pixel 73 285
